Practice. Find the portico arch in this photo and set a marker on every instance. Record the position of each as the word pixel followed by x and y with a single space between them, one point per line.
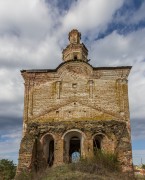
pixel 47 142
pixel 73 143
pixel 103 142
pixel 97 142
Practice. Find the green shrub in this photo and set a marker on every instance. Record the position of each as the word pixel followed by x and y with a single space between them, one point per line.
pixel 101 166
pixel 7 169
pixel 107 160
pixel 143 166
pixel 24 175
pixel 99 163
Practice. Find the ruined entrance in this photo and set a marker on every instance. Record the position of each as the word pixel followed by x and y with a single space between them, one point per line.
pixel 73 145
pixel 97 140
pixel 51 153
pixel 48 148
pixel 74 149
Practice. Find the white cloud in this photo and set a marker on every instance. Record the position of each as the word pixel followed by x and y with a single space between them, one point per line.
pixel 24 53
pixel 11 93
pixel 27 18
pixel 131 16
pixel 112 50
pixel 116 49
pixel 9 145
pixel 87 15
pixel 10 82
pixel 136 90
pixel 137 129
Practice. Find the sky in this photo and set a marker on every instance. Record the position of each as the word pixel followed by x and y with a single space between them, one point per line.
pixel 33 35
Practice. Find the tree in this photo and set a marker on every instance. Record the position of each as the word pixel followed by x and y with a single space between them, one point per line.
pixel 7 169
pixel 143 166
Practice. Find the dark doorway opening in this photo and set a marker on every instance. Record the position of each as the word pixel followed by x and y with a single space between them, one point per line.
pixel 51 153
pixel 75 57
pixel 97 143
pixel 74 147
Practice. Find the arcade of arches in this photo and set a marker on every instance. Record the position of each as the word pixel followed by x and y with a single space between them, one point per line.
pixel 72 145
pixel 65 144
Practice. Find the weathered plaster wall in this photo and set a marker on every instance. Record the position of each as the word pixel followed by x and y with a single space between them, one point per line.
pixel 76 91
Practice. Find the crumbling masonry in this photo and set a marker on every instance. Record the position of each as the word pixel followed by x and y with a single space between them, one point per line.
pixel 74 108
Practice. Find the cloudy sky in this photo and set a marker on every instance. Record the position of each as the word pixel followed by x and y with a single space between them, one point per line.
pixel 33 35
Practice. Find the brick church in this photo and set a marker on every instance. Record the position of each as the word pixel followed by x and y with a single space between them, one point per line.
pixel 75 108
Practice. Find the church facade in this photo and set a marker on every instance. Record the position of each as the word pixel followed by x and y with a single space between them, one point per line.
pixel 75 108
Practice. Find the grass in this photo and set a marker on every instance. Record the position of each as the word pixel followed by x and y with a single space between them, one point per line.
pixel 103 166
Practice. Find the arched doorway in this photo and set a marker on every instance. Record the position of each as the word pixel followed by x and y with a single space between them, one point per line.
pixel 73 146
pixel 48 148
pixel 103 142
pixel 74 149
pixel 97 142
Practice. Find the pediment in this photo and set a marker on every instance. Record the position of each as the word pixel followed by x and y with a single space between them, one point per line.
pixel 74 111
pixel 75 69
